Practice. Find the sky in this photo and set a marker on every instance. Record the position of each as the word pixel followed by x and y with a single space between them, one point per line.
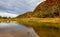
pixel 18 6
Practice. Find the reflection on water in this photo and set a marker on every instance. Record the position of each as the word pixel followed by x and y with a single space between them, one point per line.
pixel 14 29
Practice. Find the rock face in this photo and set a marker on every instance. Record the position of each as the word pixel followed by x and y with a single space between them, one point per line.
pixel 48 8
pixel 46 4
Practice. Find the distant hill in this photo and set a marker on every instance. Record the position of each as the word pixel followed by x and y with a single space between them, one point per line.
pixel 25 15
pixel 48 8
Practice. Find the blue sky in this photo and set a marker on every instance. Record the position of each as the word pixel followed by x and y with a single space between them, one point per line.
pixel 18 6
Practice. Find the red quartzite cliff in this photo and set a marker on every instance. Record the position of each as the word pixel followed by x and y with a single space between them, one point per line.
pixel 48 7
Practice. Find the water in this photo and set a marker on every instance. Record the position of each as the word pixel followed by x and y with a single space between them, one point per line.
pixel 14 29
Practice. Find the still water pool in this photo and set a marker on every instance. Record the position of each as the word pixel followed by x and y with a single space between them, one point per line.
pixel 14 29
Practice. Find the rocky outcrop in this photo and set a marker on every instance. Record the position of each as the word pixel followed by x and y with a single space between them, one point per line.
pixel 47 8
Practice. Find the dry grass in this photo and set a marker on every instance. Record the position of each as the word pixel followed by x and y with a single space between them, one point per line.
pixel 52 20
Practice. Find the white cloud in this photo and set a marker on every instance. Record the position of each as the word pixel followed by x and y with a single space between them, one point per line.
pixel 6 14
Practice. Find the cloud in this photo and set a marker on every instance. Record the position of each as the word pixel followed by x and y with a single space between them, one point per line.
pixel 6 14
pixel 18 6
